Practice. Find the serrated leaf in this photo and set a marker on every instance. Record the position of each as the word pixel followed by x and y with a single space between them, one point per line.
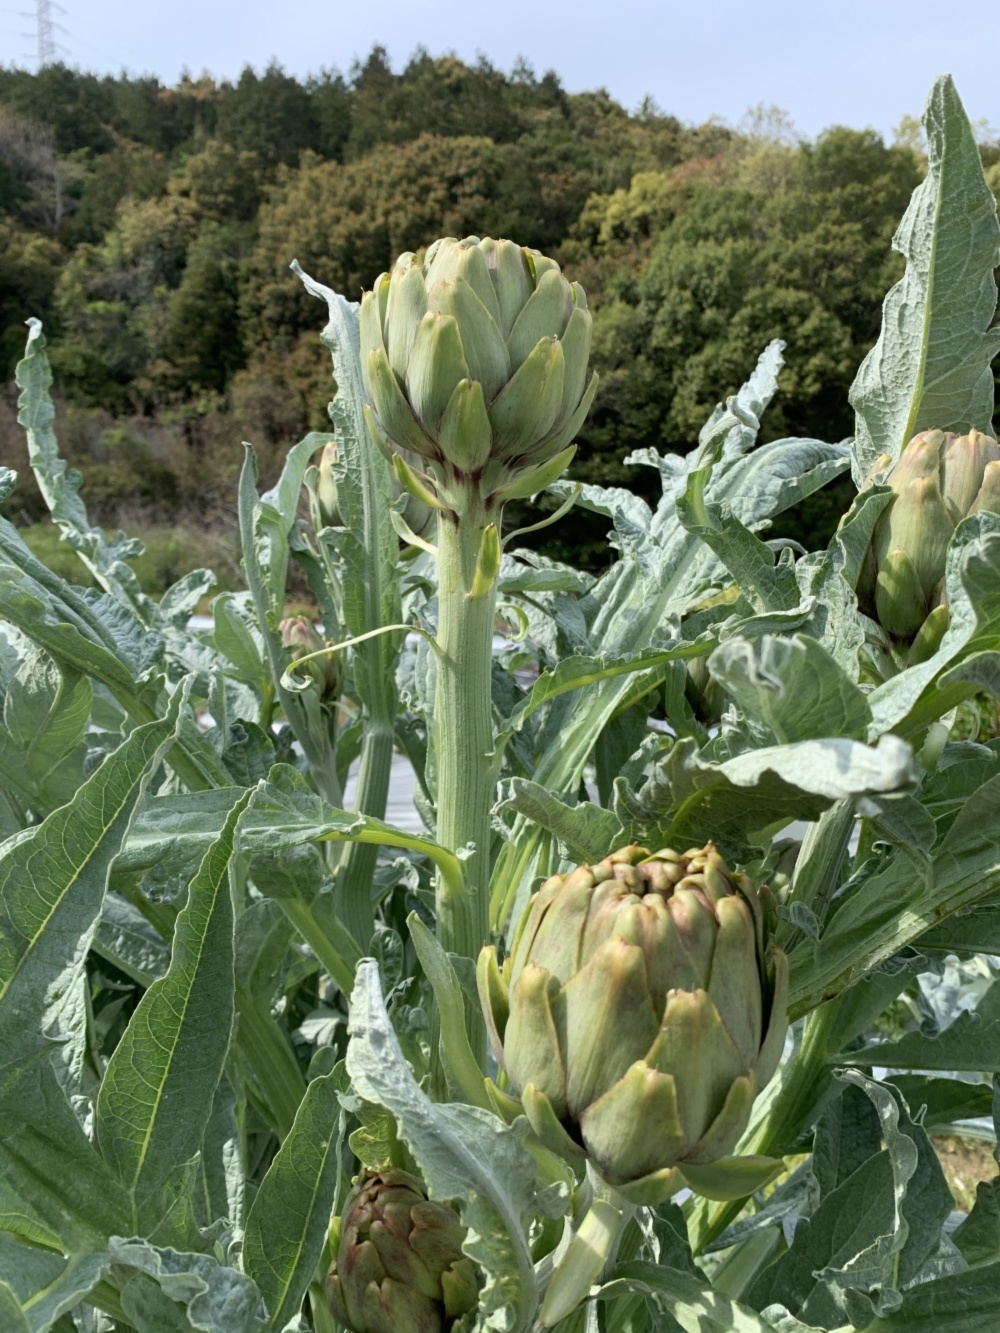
pixel 971 1043
pixel 60 485
pixel 931 364
pixel 792 688
pixel 218 1299
pixel 959 1303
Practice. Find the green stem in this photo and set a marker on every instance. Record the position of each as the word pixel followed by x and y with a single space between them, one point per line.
pixel 314 930
pixel 463 735
pixel 463 728
pixel 353 887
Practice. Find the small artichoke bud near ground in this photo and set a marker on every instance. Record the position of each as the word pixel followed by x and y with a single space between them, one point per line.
pixel 939 479
pixel 399 1266
pixel 476 361
pixel 638 1015
pixel 298 633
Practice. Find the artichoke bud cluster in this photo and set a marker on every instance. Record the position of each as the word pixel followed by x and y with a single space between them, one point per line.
pixel 398 1265
pixel 299 636
pixel 475 361
pixel 939 479
pixel 638 1014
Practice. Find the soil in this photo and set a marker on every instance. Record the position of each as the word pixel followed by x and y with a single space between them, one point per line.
pixel 965 1162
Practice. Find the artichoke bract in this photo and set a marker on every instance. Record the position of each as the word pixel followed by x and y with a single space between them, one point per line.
pixel 476 361
pixel 939 479
pixel 639 1013
pixel 416 515
pixel 398 1265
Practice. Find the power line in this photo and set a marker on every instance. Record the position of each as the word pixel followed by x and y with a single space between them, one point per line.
pixel 48 48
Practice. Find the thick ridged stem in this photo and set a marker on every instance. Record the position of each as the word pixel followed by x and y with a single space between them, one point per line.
pixel 463 732
pixel 352 895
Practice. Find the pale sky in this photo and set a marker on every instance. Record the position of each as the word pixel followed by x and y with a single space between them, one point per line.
pixel 854 62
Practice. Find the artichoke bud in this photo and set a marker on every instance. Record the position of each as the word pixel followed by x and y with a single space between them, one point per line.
pixel 326 487
pixel 939 479
pixel 298 634
pixel 476 360
pixel 398 1262
pixel 703 692
pixel 640 1011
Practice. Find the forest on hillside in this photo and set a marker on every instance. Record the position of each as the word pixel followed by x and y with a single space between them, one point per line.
pixel 151 229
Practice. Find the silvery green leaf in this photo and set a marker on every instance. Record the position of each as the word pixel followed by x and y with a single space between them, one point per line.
pixel 165 1070
pixel 850 1218
pixel 586 830
pixel 848 1135
pixel 55 1189
pixel 940 1103
pixel 960 1303
pixel 896 901
pixel 125 938
pixel 464 1154
pixel 182 599
pixel 222 1182
pixel 688 799
pixel 11 1314
pixel 792 687
pixel 52 886
pixel 45 712
pixel 217 1299
pixel 60 486
pixel 91 635
pixel 287 1225
pixel 931 364
pixel 977 931
pixel 150 1309
pixel 970 1043
pixel 45 1284
pixel 921 1203
pixel 266 522
pixel 169 837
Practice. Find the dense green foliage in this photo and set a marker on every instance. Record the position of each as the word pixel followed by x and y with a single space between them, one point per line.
pixel 151 229
pixel 244 1075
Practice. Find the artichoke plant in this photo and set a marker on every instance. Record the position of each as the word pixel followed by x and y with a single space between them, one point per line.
pixel 398 1265
pixel 939 479
pixel 639 1013
pixel 476 361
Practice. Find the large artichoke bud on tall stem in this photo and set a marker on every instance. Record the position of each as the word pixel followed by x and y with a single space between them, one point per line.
pixel 639 1013
pixel 940 479
pixel 475 363
pixel 398 1265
